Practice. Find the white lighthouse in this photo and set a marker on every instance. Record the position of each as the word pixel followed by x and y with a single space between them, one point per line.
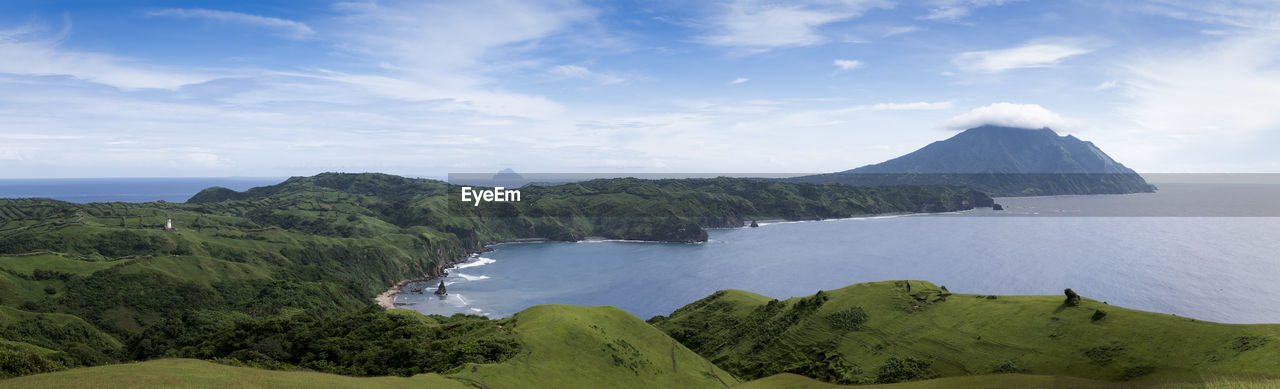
pixel 168 224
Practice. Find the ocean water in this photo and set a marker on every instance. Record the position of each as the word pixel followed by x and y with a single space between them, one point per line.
pixel 1210 252
pixel 130 190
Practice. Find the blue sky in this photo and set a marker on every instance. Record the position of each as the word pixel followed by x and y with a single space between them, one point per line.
pixel 279 88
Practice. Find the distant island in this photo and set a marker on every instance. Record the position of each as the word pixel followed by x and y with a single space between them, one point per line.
pixel 1001 161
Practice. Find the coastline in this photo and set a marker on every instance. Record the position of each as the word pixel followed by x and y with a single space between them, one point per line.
pixel 385 298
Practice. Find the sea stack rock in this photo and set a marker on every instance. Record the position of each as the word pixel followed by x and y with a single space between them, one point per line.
pixel 754 224
pixel 997 207
pixel 440 291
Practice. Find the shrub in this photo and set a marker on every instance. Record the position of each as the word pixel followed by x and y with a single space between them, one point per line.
pixel 1098 315
pixel 848 319
pixel 1103 355
pixel 1073 299
pixel 16 363
pixel 1009 366
pixel 1246 343
pixel 904 369
pixel 1133 372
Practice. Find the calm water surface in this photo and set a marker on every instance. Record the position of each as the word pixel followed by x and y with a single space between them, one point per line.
pixel 1206 265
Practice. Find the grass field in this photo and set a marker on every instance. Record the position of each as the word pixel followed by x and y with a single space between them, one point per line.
pixel 190 373
pixel 1002 381
pixel 939 334
pixel 564 347
pixel 595 347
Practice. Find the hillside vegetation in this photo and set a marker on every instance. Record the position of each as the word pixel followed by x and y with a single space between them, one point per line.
pixel 938 340
pixel 262 276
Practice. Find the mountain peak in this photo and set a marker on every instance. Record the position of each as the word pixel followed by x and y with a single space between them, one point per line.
pixel 1005 161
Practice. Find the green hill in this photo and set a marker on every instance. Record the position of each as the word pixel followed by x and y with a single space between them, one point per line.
pixel 562 347
pixel 895 331
pixel 318 249
pixel 957 337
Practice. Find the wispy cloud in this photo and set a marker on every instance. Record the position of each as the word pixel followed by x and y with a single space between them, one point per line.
pixel 23 51
pixel 899 30
pixel 739 80
pixel 1030 116
pixel 755 26
pixel 916 106
pixel 1031 55
pixel 584 73
pixel 1251 14
pixel 407 41
pixel 288 28
pixel 847 64
pixel 1228 87
pixel 958 9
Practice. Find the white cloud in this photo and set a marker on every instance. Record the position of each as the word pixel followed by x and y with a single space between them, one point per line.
pixel 739 80
pixel 22 52
pixel 916 106
pixel 958 9
pixel 1031 55
pixel 847 64
pixel 289 28
pixel 1105 85
pixel 758 26
pixel 582 72
pixel 1030 116
pixel 1229 87
pixel 899 30
pixel 1249 14
pixel 445 51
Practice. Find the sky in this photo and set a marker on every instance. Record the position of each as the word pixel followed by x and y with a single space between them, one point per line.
pixel 285 88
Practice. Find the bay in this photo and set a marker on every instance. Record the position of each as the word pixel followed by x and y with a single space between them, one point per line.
pixel 1133 251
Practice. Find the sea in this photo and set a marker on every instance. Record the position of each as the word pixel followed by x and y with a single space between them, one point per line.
pixel 1204 251
pixel 129 190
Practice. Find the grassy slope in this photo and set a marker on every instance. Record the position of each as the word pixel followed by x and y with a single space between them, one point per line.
pixel 572 347
pixel 169 373
pixel 565 346
pixel 595 347
pixel 970 334
pixel 994 381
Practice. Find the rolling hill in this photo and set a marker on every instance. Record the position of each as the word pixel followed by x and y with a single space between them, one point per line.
pixel 892 331
pixel 878 332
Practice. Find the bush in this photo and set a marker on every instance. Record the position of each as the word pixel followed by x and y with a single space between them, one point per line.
pixel 1073 299
pixel 1009 366
pixel 904 369
pixel 1246 343
pixel 848 319
pixel 16 363
pixel 1098 315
